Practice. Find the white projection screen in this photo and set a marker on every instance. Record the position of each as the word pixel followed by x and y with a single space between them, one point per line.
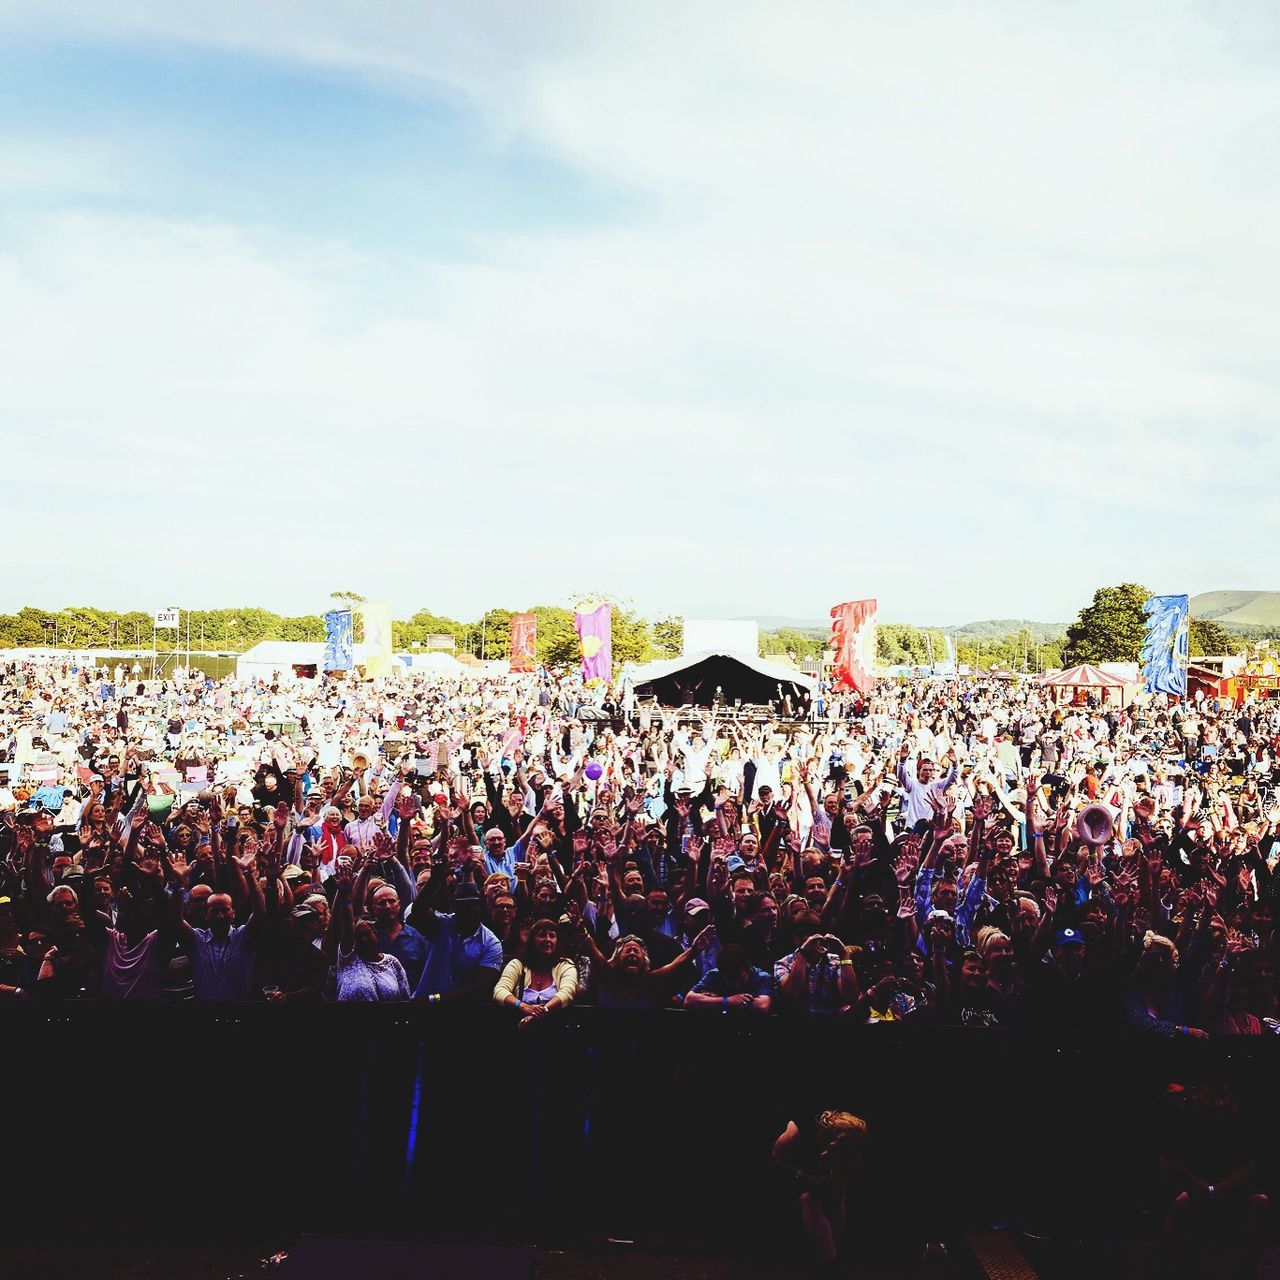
pixel 709 635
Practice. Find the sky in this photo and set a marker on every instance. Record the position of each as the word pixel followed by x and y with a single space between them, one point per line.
pixel 721 309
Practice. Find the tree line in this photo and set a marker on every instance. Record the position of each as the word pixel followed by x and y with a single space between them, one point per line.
pixel 635 639
pixel 1112 628
pixel 1109 629
pixel 236 630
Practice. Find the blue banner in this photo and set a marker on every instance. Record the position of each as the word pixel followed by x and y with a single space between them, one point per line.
pixel 1166 650
pixel 339 641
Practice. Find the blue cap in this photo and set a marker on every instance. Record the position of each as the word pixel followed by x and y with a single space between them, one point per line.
pixel 1068 938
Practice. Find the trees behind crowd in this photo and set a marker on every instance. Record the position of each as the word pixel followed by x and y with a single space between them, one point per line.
pixel 1109 629
pixel 1112 628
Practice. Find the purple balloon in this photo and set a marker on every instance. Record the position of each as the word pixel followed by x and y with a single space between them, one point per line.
pixel 594 771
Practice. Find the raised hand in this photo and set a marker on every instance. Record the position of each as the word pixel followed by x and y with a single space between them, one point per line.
pixel 814 947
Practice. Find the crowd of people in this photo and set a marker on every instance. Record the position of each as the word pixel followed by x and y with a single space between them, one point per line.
pixel 963 853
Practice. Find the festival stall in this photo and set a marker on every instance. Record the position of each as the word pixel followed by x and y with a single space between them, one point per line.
pixel 294 660
pixel 1260 677
pixel 1086 681
pixel 1202 681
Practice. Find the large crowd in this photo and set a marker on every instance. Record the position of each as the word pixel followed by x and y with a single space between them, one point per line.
pixel 964 853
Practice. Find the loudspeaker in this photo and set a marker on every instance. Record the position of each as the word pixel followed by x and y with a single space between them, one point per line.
pixel 346 1258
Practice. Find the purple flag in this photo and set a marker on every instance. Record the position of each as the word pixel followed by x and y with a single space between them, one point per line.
pixel 595 630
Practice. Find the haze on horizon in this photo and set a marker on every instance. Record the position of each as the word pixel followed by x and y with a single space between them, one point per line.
pixel 968 308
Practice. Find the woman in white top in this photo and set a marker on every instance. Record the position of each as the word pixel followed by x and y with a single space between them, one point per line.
pixel 540 982
pixel 361 970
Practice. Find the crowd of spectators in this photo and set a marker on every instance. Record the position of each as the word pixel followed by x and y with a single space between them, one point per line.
pixel 960 853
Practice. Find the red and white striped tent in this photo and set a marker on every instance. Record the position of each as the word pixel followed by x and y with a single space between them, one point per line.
pixel 1086 679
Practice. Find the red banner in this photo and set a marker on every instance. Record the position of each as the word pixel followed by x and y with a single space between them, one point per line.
pixel 524 640
pixel 853 637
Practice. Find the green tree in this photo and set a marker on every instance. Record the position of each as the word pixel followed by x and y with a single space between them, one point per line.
pixel 631 639
pixel 1111 628
pixel 789 640
pixel 898 643
pixel 668 637
pixel 1212 638
pixel 557 642
pixel 490 636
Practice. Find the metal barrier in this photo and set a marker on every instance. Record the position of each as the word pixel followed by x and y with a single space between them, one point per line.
pixel 592 1124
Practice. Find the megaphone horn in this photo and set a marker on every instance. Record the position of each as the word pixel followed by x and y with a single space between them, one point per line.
pixel 1095 825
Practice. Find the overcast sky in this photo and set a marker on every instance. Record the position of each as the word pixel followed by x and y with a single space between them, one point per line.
pixel 725 309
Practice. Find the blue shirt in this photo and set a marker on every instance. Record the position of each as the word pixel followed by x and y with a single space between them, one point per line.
pixel 506 864
pixel 759 983
pixel 222 970
pixel 410 948
pixel 452 959
pixel 49 797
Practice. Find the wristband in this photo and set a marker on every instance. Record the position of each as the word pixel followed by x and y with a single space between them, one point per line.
pixel 724 1004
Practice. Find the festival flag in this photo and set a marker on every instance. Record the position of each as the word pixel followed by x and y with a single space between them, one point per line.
pixel 377 639
pixel 595 630
pixel 853 637
pixel 1166 649
pixel 524 638
pixel 339 643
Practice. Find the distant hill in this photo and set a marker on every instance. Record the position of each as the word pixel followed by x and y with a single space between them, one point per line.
pixel 789 624
pixel 1041 632
pixel 1238 608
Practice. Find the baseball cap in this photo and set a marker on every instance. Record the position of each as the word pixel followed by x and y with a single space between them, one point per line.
pixel 1068 938
pixel 696 904
pixel 466 892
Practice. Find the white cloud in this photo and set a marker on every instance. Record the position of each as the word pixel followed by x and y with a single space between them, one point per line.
pixel 965 306
pixel 49 166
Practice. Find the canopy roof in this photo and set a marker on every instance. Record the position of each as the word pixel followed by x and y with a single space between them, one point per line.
pixel 1085 677
pixel 692 680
